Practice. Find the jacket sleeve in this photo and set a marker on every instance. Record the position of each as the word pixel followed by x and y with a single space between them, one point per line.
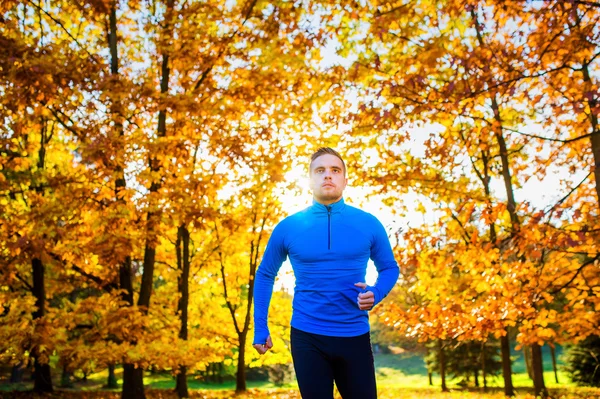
pixel 275 254
pixel 383 257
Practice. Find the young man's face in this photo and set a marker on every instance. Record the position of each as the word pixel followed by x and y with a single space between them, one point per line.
pixel 327 179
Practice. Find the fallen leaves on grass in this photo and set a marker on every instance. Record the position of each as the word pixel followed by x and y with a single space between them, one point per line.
pixel 384 393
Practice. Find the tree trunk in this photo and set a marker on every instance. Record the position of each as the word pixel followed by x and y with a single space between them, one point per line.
pixel 65 378
pixel 594 138
pixel 512 209
pixel 430 376
pixel 183 264
pixel 133 382
pixel 240 377
pixel 528 365
pixel 151 231
pixel 509 390
pixel 476 376
pixel 149 261
pixel 133 378
pixel 538 371
pixel 16 374
pixel 112 379
pixel 42 376
pixel 181 386
pixel 511 206
pixel 153 218
pixel 483 365
pixel 553 354
pixel 243 331
pixel 442 356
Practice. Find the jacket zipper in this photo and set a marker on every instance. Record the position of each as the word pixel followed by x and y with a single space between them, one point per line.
pixel 328 227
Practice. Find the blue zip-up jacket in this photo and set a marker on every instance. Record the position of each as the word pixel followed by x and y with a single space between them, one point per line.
pixel 329 247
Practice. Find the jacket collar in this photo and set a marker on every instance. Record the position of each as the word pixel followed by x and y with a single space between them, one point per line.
pixel 336 207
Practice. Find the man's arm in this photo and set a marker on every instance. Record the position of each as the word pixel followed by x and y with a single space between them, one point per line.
pixel 387 267
pixel 273 257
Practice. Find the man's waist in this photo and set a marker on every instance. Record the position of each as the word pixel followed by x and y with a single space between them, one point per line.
pixel 332 328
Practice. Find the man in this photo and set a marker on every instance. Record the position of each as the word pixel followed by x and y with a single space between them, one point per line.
pixel 329 245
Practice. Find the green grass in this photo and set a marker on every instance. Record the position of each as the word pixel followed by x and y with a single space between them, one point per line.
pixel 165 382
pixel 393 371
pixel 408 363
pixel 97 381
pixel 410 371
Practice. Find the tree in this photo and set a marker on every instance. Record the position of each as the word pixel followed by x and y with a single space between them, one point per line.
pixel 255 210
pixel 583 359
pixel 456 66
pixel 134 102
pixel 467 360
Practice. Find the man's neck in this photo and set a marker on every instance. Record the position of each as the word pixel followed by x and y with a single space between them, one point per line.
pixel 326 203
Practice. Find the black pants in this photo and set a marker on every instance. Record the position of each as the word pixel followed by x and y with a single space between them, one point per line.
pixel 320 360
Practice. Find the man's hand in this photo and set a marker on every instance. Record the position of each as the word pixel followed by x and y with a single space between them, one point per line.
pixel 365 300
pixel 263 348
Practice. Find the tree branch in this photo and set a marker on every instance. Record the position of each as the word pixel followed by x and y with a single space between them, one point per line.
pixel 587 3
pixel 227 301
pixel 248 12
pixel 584 264
pixel 229 305
pixel 563 199
pixel 25 282
pixel 464 230
pixel 378 13
pixel 565 141
pixel 63 28
pixel 62 123
pixel 106 286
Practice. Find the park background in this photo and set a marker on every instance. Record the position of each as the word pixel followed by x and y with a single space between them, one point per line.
pixel 149 148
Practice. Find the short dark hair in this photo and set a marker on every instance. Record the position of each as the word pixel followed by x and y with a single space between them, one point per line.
pixel 323 151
